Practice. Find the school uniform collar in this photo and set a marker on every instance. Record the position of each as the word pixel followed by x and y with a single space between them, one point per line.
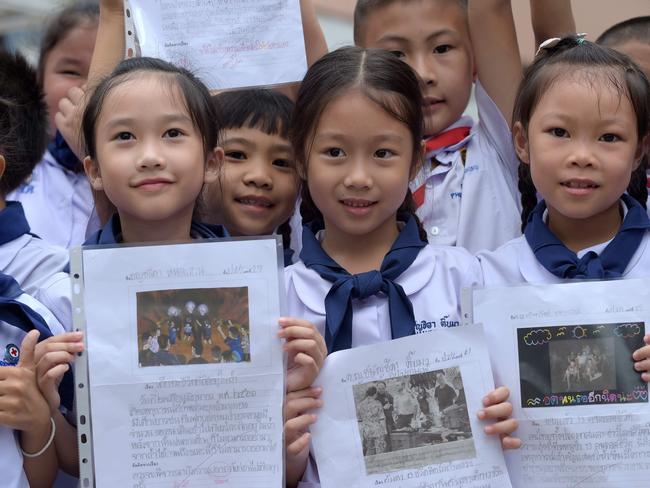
pixel 311 289
pixel 445 155
pixel 13 222
pixel 111 233
pixel 534 271
pixel 63 155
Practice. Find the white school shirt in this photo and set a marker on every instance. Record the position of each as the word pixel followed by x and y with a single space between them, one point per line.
pixel 432 283
pixel 475 204
pixel 514 263
pixel 11 458
pixel 58 203
pixel 31 262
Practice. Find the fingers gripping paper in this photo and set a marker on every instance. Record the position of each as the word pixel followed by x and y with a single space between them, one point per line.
pixel 227 43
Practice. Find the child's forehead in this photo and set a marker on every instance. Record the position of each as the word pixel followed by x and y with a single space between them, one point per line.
pixel 141 88
pixel 254 136
pixel 413 19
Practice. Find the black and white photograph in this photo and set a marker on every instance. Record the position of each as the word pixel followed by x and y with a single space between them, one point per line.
pixel 193 326
pixel 413 421
pixel 580 364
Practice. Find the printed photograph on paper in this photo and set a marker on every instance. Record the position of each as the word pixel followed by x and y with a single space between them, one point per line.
pixel 413 421
pixel 580 365
pixel 193 326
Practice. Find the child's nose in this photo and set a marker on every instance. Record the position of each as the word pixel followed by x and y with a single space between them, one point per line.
pixel 425 67
pixel 257 174
pixel 582 155
pixel 150 158
pixel 358 176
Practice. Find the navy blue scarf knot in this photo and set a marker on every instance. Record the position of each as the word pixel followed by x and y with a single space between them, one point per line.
pixel 565 264
pixel 347 287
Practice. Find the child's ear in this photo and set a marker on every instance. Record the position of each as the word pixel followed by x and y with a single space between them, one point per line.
pixel 213 165
pixel 93 174
pixel 3 165
pixel 520 139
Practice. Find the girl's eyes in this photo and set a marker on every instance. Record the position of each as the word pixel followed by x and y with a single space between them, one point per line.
pixel 239 155
pixel 173 133
pixel 335 152
pixel 124 136
pixel 384 153
pixel 609 138
pixel 559 132
pixel 69 73
pixel 282 163
pixel 399 54
pixel 442 49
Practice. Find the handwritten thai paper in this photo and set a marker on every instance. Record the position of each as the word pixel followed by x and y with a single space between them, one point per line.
pixel 565 351
pixel 403 414
pixel 185 369
pixel 227 43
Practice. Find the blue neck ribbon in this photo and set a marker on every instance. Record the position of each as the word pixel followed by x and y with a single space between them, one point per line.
pixel 347 287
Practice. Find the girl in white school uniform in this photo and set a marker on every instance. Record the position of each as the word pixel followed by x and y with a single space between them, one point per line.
pixel 56 197
pixel 31 261
pixel 366 273
pixel 581 116
pixel 581 119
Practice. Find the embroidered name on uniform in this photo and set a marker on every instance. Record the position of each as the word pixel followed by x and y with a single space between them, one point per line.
pixel 456 194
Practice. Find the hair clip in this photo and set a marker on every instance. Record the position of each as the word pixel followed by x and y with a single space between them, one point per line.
pixel 548 44
pixel 554 41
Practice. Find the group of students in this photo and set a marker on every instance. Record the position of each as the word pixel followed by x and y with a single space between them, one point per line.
pixel 388 198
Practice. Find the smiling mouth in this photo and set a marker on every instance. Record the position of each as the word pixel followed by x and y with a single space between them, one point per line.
pixel 152 184
pixel 255 202
pixel 354 203
pixel 579 185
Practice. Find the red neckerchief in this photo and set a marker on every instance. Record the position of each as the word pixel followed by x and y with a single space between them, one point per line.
pixel 444 139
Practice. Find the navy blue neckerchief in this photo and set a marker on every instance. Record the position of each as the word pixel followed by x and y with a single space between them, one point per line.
pixel 347 287
pixel 611 263
pixel 111 233
pixel 288 257
pixel 60 150
pixel 13 223
pixel 17 314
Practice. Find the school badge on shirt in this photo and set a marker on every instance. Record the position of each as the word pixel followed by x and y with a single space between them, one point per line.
pixel 11 356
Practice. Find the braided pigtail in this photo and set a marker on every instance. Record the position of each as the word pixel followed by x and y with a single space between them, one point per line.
pixel 406 210
pixel 528 193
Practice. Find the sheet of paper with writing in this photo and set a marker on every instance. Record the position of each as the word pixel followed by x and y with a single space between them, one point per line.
pixel 227 43
pixel 182 381
pixel 402 414
pixel 565 352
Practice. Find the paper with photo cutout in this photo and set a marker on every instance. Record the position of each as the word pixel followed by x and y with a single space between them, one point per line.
pixel 402 414
pixel 182 380
pixel 565 352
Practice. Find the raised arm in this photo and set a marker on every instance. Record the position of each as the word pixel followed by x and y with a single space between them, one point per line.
pixel 551 18
pixel 315 44
pixel 110 45
pixel 496 52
